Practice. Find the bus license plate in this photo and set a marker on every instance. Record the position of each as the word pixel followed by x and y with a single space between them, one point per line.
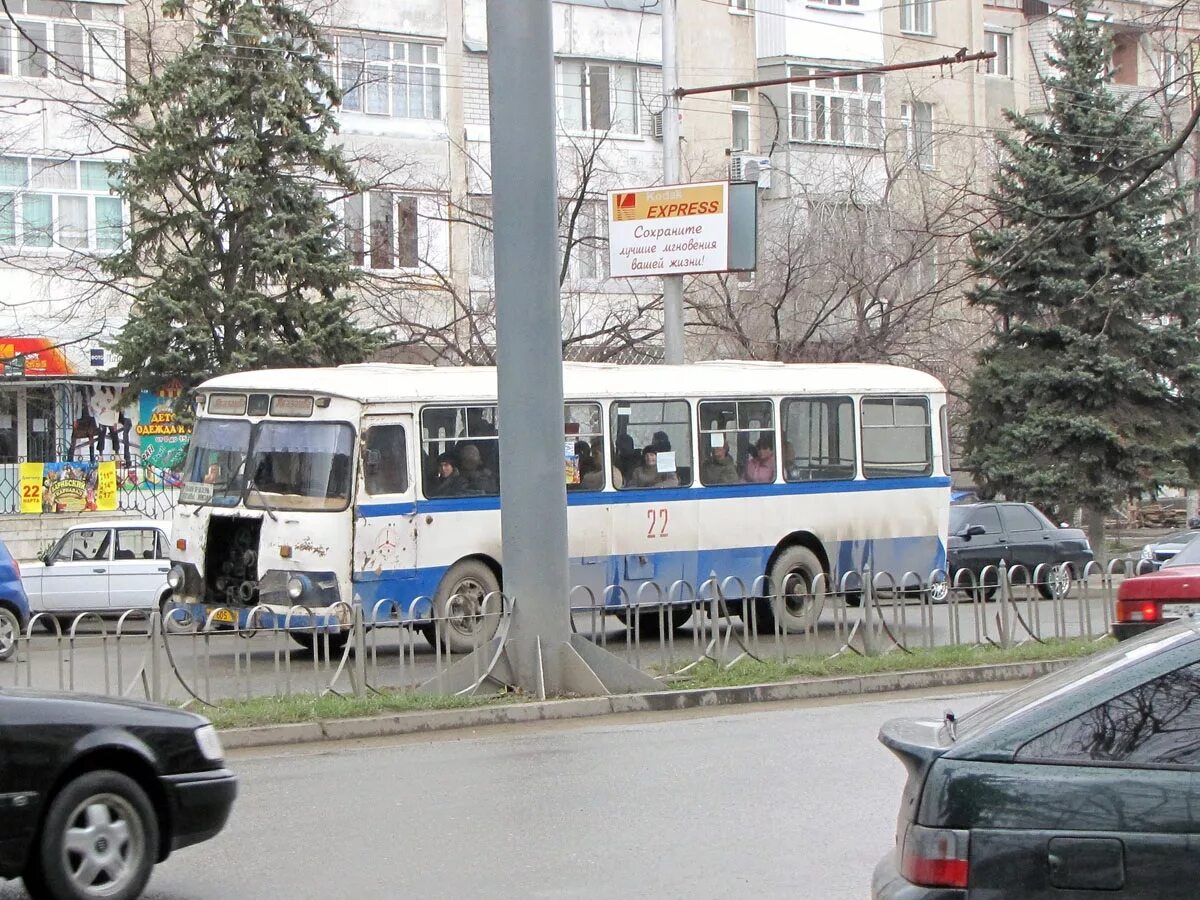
pixel 225 615
pixel 1181 610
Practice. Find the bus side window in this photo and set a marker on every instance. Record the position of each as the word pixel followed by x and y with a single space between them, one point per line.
pixel 662 427
pixel 818 439
pixel 385 463
pixel 896 437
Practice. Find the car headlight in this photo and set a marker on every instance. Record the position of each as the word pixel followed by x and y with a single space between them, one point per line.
pixel 296 586
pixel 175 577
pixel 1147 553
pixel 209 743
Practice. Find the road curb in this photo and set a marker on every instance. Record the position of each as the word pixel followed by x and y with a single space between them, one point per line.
pixel 659 701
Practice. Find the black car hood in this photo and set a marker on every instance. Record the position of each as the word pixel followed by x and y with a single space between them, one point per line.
pixel 75 706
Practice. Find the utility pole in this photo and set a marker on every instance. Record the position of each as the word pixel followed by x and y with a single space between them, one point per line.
pixel 538 652
pixel 673 339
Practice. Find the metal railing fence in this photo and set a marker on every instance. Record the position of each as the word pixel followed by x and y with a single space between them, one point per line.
pixel 665 630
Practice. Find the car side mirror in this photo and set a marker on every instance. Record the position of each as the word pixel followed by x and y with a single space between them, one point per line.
pixel 1063 525
pixel 972 530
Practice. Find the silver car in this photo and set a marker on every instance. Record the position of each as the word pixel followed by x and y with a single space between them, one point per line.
pixel 1158 552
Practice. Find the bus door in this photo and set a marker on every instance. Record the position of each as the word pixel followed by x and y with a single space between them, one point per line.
pixel 385 514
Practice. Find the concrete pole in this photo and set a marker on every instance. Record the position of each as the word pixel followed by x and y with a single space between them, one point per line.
pixel 529 341
pixel 537 653
pixel 673 337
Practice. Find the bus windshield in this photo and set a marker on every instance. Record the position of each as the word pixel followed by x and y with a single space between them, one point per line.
pixel 300 465
pixel 216 457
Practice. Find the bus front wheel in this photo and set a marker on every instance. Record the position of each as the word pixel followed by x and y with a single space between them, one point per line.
pixel 466 607
pixel 793 606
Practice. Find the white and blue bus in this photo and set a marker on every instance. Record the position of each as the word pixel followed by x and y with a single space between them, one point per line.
pixel 319 488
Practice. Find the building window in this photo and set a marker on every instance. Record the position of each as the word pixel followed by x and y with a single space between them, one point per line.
pixel 383 77
pixel 833 3
pixel 916 16
pixel 479 215
pixel 1000 43
pixel 598 97
pixel 1125 58
pixel 917 119
pixel 842 109
pixel 1176 69
pixel 59 40
pixel 381 230
pixel 59 203
pixel 583 224
pixel 740 6
pixel 740 138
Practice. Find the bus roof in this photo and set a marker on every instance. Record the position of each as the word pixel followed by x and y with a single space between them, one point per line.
pixel 389 382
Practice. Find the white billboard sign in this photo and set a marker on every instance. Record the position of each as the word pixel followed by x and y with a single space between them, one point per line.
pixel 678 229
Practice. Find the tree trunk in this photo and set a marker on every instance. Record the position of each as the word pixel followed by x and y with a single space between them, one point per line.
pixel 1093 522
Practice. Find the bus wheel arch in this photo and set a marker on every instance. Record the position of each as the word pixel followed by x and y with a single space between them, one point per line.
pixel 467 604
pixel 792 571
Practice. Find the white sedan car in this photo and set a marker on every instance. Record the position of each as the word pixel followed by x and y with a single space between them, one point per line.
pixel 101 567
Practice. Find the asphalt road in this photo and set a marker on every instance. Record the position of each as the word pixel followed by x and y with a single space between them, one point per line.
pixel 225 665
pixel 791 800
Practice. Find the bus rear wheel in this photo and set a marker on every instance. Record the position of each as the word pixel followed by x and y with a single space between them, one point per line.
pixel 793 606
pixel 466 607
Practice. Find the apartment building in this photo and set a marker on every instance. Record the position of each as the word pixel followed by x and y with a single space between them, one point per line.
pixel 415 124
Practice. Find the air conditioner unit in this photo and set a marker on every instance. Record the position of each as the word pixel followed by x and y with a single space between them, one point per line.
pixel 751 168
pixel 656 125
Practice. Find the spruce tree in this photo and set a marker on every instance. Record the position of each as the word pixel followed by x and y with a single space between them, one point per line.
pixel 1091 381
pixel 233 260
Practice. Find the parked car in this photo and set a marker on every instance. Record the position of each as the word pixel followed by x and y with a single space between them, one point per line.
pixel 1172 592
pixel 984 534
pixel 1158 552
pixel 97 790
pixel 1081 784
pixel 14 604
pixel 101 567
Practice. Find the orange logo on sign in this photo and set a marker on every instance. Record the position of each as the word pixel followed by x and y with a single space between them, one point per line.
pixel 624 206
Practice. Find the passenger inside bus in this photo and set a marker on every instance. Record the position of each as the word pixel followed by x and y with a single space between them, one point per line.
pixel 450 482
pixel 760 467
pixel 625 458
pixel 479 479
pixel 591 476
pixel 647 475
pixel 719 468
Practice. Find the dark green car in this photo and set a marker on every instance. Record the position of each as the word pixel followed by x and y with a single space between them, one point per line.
pixel 1083 784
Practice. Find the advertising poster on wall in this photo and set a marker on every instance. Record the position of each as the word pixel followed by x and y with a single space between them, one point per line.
pixel 68 487
pixel 162 436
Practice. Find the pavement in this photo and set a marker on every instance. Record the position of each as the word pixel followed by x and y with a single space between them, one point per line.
pixel 784 800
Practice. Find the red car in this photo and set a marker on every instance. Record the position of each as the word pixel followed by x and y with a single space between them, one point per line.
pixel 1173 592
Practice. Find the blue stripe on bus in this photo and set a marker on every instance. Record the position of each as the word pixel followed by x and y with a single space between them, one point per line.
pixel 412 590
pixel 661 495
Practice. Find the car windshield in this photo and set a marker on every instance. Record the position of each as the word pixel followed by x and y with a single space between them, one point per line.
pixel 1176 537
pixel 214 467
pixel 300 465
pixel 1086 670
pixel 1188 556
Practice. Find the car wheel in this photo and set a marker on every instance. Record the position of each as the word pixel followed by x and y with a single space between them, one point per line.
pixel 460 602
pixel 176 619
pixel 939 591
pixel 792 604
pixel 98 842
pixel 10 631
pixel 1057 584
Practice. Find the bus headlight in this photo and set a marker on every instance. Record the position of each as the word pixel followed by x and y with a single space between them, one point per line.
pixel 175 577
pixel 296 586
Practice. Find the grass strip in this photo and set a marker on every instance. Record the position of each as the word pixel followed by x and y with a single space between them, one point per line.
pixel 707 674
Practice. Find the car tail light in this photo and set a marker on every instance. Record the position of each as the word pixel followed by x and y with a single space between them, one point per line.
pixel 935 857
pixel 1138 611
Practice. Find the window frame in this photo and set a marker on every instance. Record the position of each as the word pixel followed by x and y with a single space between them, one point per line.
pixel 17 201
pixel 579 487
pixel 922 154
pixel 1001 65
pixel 358 92
pixel 911 17
pixel 615 406
pixel 786 464
pixel 360 229
pixel 92 47
pixel 860 110
pixel 565 72
pixel 865 429
pixel 429 459
pixel 704 435
pixel 405 474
